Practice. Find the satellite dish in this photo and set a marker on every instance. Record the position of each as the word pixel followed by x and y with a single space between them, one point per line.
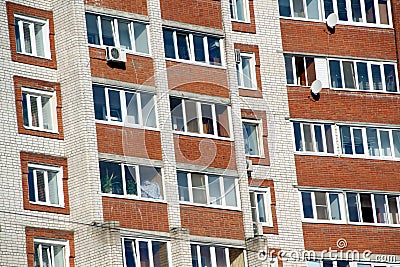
pixel 316 87
pixel 332 20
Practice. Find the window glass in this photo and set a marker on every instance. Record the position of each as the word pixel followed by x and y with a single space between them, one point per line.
pixel 335 74
pixel 313 264
pixel 358 141
pixel 46 113
pixel 352 205
pixel 221 257
pixel 262 217
pixel 169 44
pixel 160 254
pixel 300 71
pixel 205 256
pixel 356 10
pixel 342 9
pixel 312 9
pixel 199 54
pixel 230 192
pixel 115 105
pixel 346 140
pixel 199 188
pixel 99 100
pixel 381 216
pixel 390 78
pixel 183 186
pixel 222 120
pixel 34 111
pixel 40 183
pixel 298 8
pixel 191 117
pixel 132 113
pixel 107 32
pixel 396 143
pixel 328 6
pixel 284 8
pixel 308 141
pixel 27 38
pixel 297 135
pixel 214 190
pixel 383 11
pixel 321 205
pixel 329 139
pixel 111 178
pixel 144 254
pixel 207 119
pixel 177 114
pixel 372 141
pixel 376 77
pixel 148 110
pixel 318 138
pixel 92 29
pixel 214 51
pixel 370 11
pixel 349 75
pixel 31 185
pixel 343 264
pixel 195 261
pixel 250 134
pixel 129 254
pixel 385 143
pixel 307 205
pixel 124 35
pixel 362 71
pixel 393 210
pixel 240 10
pixel 183 46
pixel 289 70
pixel 310 67
pixel 17 37
pixel 141 40
pixel 335 206
pixel 247 72
pixel 151 182
pixel 366 208
pixel 25 109
pixel 39 42
pixel 130 180
pixel 53 187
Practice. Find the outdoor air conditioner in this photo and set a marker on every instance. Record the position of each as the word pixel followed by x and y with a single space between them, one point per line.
pixel 237 56
pixel 258 228
pixel 249 165
pixel 115 54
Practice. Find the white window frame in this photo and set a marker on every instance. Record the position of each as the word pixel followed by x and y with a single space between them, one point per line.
pixel 342 207
pixel 213 254
pixel 53 102
pixel 315 152
pixel 246 11
pixel 124 113
pixel 199 119
pixel 138 182
pixel 222 191
pixel 190 47
pixel 369 63
pixel 259 126
pixel 251 58
pixel 135 246
pixel 294 69
pixel 60 185
pixel 372 197
pixel 52 243
pixel 266 193
pixel 20 19
pixel 114 26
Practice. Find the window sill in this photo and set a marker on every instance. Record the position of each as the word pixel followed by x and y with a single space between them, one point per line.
pixel 241 21
pixel 248 88
pixel 322 221
pixel 367 157
pixel 345 23
pixel 255 156
pixel 203 136
pixel 364 91
pixel 374 224
pixel 196 63
pixel 128 125
pixel 30 55
pixel 47 205
pixel 129 52
pixel 40 130
pixel 316 154
pixel 209 206
pixel 127 197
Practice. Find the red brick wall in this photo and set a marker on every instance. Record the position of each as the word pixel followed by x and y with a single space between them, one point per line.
pixel 197 79
pixel 128 141
pixel 31 233
pixel 43 159
pixel 137 69
pixel 379 240
pixel 344 106
pixel 42 14
pixel 199 12
pixel 246 27
pixel 396 25
pixel 136 214
pixel 204 151
pixel 132 6
pixel 364 42
pixel 257 114
pixel 20 82
pixel 252 49
pixel 212 222
pixel 352 173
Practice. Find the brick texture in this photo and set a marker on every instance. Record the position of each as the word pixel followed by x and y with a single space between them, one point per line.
pixel 49 160
pixel 13 8
pixel 202 221
pixel 136 214
pixel 246 27
pixel 20 82
pixel 199 12
pixel 132 6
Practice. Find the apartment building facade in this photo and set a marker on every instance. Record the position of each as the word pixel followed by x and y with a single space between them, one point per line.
pixel 183 133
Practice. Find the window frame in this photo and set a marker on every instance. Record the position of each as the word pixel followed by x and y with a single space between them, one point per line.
pixel 138 195
pixel 260 143
pixel 370 77
pixel 239 70
pixel 294 69
pixel 212 250
pixel 19 19
pixel 60 186
pixel 53 102
pixel 342 207
pixel 52 243
pixel 191 50
pixel 122 98
pixel 115 32
pixel 266 192
pixel 246 11
pixel 149 242
pixel 207 191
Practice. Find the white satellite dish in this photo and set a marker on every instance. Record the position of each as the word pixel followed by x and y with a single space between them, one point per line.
pixel 332 20
pixel 316 87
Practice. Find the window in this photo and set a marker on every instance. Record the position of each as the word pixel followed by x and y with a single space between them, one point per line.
pixel 377 12
pixel 109 31
pixel 363 75
pixel 191 116
pixel 246 71
pixel 252 135
pixel 260 199
pixel 45 185
pixel 213 256
pixel 313 137
pixel 328 263
pixel 131 180
pixel 192 47
pixel 239 10
pixel 32 36
pixel 373 208
pixel 149 253
pixel 124 107
pixel 368 141
pixel 50 253
pixel 300 70
pixel 208 189
pixel 39 109
pixel 323 206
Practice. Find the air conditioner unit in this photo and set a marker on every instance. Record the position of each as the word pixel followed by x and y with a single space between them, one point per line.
pixel 249 165
pixel 115 54
pixel 258 228
pixel 237 56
